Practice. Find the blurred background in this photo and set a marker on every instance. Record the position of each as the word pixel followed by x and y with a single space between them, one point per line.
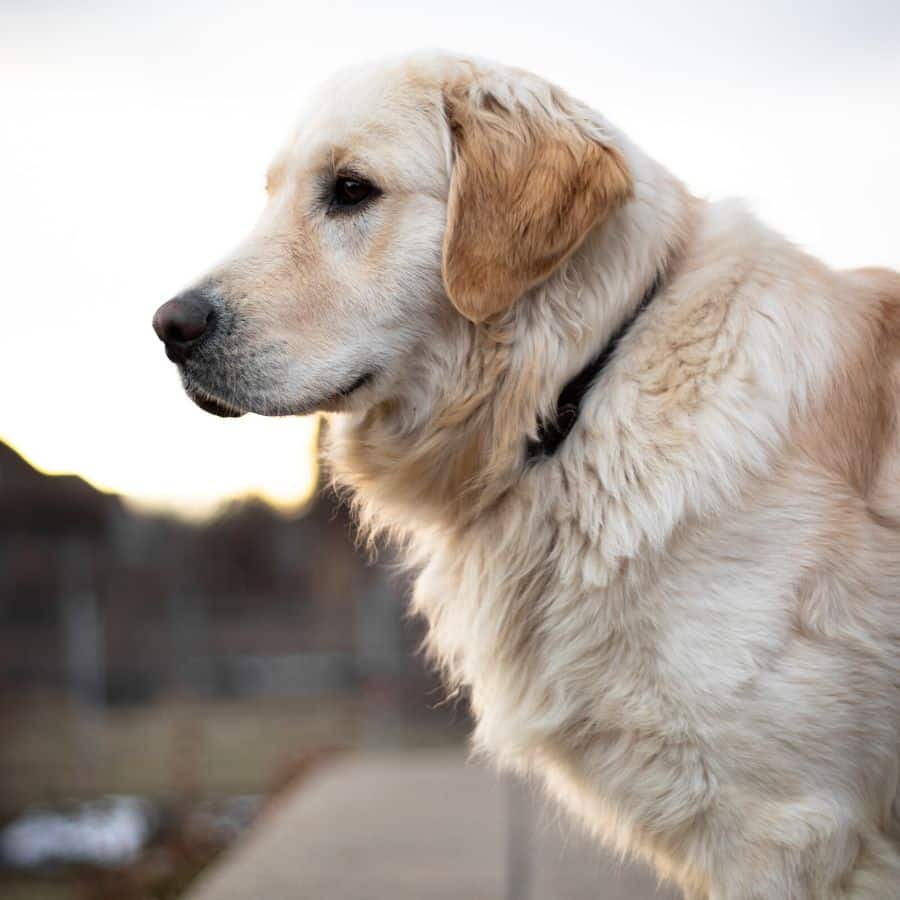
pixel 186 629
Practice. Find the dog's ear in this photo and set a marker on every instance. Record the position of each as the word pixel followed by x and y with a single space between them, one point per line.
pixel 527 185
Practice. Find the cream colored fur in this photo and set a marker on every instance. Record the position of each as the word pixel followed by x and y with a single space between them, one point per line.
pixel 687 621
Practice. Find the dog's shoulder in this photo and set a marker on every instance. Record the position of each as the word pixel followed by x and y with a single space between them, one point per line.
pixel 858 417
pixel 884 288
pixel 881 291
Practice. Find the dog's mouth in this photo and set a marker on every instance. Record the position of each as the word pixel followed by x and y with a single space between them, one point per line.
pixel 228 410
pixel 354 386
pixel 335 402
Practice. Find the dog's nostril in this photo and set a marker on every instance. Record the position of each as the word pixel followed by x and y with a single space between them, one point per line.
pixel 182 322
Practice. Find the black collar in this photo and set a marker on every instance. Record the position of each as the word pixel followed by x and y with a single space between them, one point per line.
pixel 552 432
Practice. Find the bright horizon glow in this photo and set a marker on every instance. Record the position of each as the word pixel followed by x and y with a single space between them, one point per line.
pixel 136 138
pixel 200 492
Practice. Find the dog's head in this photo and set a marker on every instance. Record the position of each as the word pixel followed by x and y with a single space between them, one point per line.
pixel 410 194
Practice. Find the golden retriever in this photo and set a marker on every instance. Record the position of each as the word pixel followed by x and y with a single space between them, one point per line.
pixel 642 452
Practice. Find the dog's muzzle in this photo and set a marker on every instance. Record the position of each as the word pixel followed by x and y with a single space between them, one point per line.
pixel 184 324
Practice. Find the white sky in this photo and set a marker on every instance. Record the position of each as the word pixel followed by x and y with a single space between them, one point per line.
pixel 134 140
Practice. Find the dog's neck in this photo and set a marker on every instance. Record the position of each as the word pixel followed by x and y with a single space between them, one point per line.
pixel 442 456
pixel 553 432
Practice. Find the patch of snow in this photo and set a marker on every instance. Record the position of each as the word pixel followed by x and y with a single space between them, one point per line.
pixel 107 833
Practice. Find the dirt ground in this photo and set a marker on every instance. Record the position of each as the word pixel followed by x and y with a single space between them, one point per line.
pixel 418 826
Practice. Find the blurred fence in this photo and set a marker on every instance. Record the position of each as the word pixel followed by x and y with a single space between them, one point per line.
pixel 104 609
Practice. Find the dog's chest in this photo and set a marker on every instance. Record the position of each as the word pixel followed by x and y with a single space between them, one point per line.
pixel 665 645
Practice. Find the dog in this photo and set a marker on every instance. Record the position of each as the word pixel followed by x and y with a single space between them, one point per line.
pixel 642 453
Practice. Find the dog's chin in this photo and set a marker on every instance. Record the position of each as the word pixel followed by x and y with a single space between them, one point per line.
pixel 213 405
pixel 336 402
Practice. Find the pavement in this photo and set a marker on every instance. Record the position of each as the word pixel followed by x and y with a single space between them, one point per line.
pixel 418 826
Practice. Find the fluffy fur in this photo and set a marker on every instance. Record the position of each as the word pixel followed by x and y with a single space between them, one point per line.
pixel 687 621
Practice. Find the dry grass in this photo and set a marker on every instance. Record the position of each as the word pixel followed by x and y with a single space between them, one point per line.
pixel 49 753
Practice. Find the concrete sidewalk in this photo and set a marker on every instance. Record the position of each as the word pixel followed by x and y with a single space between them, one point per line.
pixel 418 827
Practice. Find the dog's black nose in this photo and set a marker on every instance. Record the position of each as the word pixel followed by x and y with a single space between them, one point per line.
pixel 182 324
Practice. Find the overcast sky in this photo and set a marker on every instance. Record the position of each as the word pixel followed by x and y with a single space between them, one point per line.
pixel 134 140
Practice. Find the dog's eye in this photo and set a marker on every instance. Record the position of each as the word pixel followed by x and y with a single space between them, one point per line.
pixel 349 191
